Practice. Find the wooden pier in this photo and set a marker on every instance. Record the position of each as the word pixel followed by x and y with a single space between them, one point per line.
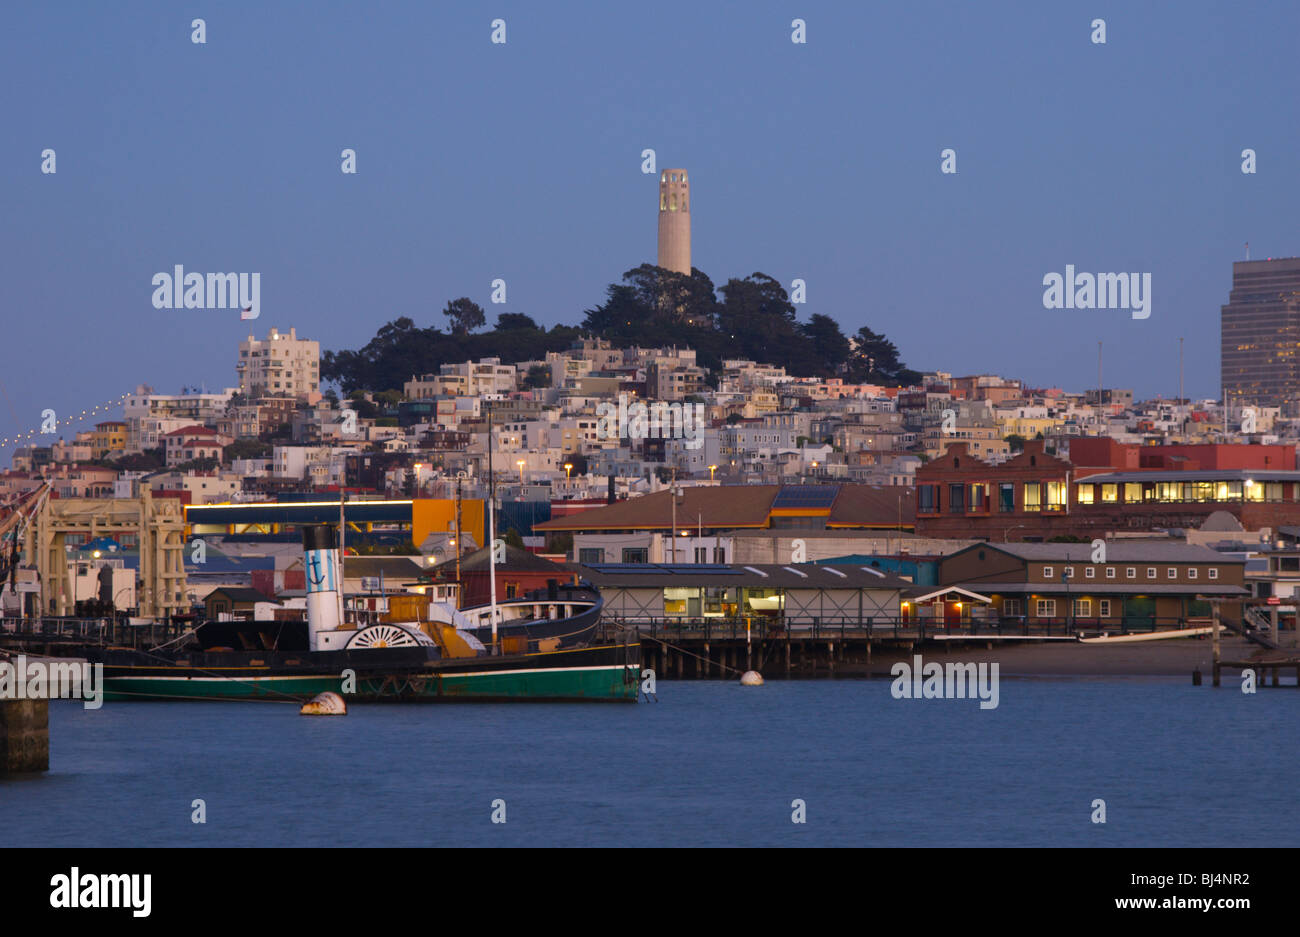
pixel 725 648
pixel 1271 657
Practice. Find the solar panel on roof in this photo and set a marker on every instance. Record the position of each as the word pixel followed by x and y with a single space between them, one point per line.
pixel 712 569
pixel 806 496
pixel 697 569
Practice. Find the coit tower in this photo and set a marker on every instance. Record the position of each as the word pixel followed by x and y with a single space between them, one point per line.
pixel 675 221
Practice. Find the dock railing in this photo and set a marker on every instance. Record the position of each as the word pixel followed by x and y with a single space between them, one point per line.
pixel 881 627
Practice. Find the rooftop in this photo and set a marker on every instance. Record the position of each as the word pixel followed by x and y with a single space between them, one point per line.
pixel 1117 551
pixel 751 576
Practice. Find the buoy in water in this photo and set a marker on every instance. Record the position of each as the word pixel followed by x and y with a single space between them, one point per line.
pixel 325 704
pixel 751 678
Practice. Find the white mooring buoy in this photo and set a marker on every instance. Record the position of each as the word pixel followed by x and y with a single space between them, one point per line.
pixel 325 704
pixel 751 678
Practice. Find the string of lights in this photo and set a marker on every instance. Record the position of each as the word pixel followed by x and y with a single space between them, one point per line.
pixel 75 418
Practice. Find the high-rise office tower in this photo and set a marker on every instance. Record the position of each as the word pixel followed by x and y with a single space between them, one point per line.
pixel 1260 336
pixel 675 221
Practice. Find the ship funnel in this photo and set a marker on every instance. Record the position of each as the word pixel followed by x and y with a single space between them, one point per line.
pixel 324 575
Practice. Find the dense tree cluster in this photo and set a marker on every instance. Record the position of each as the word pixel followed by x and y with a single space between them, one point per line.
pixel 751 318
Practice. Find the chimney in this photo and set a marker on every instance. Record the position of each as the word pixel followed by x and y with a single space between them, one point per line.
pixel 324 583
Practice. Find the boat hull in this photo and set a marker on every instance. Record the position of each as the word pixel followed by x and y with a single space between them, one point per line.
pixel 1145 636
pixel 606 673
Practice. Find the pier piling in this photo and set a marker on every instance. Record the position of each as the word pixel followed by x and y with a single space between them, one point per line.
pixel 24 736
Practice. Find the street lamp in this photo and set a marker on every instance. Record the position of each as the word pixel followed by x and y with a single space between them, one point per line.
pixel 712 469
pixel 520 463
pixel 1069 610
pixel 672 540
pixel 568 467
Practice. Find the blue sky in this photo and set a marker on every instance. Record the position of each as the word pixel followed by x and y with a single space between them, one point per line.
pixel 522 161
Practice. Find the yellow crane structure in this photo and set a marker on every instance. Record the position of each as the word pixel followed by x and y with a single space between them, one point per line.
pixel 42 524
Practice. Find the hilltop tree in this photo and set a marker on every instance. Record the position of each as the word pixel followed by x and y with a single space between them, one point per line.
pixel 465 315
pixel 829 345
pixel 875 360
pixel 507 321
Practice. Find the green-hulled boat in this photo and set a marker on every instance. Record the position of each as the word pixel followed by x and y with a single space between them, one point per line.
pixel 378 661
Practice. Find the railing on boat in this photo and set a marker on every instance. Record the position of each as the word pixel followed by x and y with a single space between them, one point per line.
pixel 102 632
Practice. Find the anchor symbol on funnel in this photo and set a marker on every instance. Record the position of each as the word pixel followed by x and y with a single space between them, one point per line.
pixel 315 576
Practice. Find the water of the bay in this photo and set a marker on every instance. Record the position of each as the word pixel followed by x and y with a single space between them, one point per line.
pixel 711 764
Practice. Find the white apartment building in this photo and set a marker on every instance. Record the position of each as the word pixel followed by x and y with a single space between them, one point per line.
pixel 486 376
pixel 203 488
pixel 740 375
pixel 279 366
pixel 293 461
pixel 427 386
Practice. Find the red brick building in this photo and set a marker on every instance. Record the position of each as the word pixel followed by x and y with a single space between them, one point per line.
pixel 520 572
pixel 1105 486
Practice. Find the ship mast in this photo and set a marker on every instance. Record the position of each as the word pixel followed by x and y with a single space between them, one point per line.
pixel 491 534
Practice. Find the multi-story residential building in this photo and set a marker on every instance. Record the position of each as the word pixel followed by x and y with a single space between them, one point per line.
pixel 279 366
pixel 106 440
pixel 740 376
pixel 670 380
pixel 81 481
pixel 429 386
pixel 294 461
pixel 988 387
pixel 150 416
pixel 577 435
pixel 485 376
pixel 202 487
pixel 76 451
pixel 193 442
pixel 257 418
pixel 1110 397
